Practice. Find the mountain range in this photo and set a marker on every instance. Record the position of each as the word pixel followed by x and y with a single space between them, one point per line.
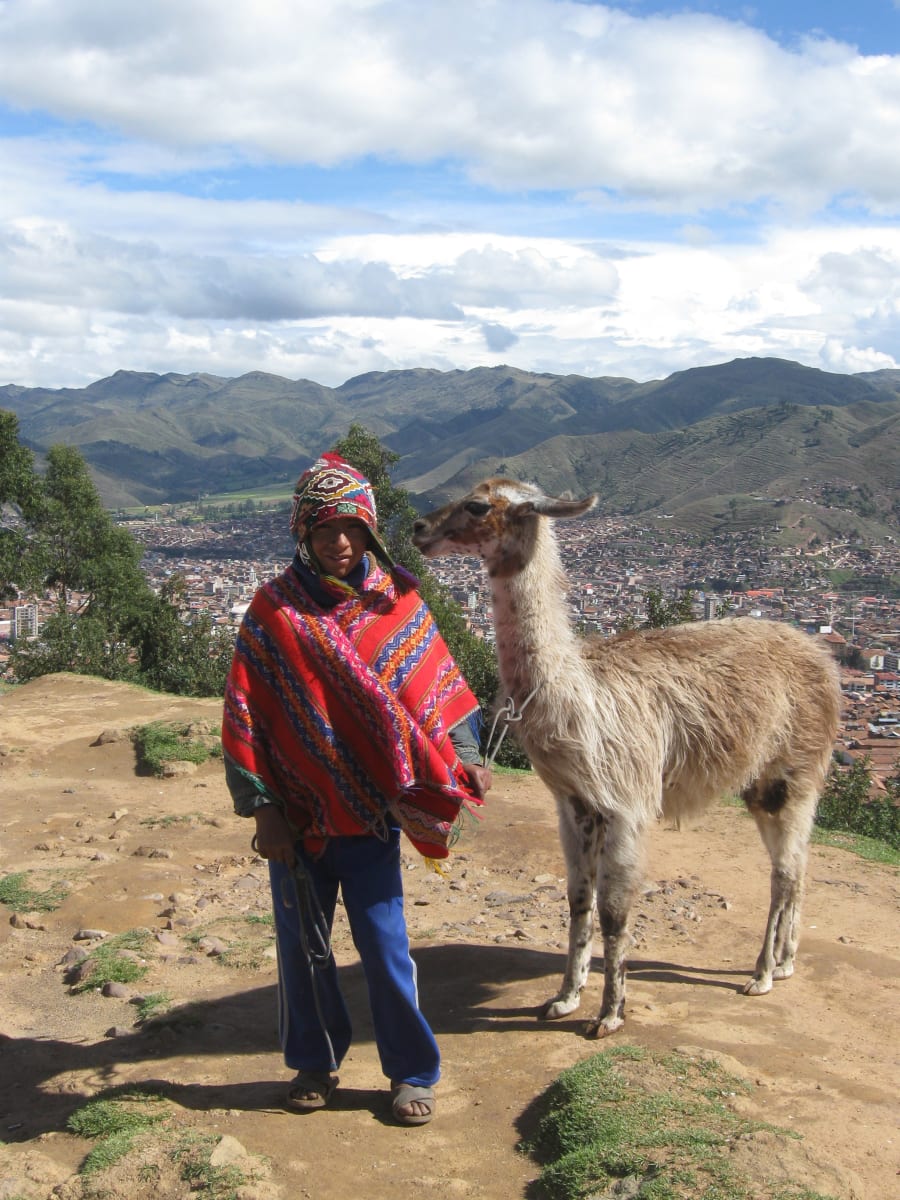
pixel 742 441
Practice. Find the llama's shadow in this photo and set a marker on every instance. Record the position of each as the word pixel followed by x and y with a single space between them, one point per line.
pixel 462 988
pixel 456 1003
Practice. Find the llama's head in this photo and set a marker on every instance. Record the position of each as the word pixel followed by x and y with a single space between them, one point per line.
pixel 497 521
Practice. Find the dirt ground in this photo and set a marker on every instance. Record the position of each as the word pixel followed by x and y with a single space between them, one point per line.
pixel 168 856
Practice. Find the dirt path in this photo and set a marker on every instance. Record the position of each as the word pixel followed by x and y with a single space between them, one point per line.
pixel 166 855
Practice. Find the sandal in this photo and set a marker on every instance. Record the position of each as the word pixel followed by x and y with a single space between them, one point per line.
pixel 310 1090
pixel 403 1094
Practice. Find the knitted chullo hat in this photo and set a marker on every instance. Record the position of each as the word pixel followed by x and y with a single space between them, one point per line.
pixel 329 490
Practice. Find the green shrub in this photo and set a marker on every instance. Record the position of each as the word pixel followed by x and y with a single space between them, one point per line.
pixel 107 964
pixel 15 894
pixel 649 1126
pixel 845 805
pixel 163 742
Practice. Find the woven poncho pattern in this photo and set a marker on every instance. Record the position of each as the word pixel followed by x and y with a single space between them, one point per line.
pixel 342 714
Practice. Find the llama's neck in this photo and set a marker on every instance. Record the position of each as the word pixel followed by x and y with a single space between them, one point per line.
pixel 534 635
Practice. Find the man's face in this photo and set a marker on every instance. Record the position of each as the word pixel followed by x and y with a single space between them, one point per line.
pixel 339 545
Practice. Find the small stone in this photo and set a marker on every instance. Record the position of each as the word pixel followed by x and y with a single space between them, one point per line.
pixel 107 736
pixel 228 1152
pixel 213 946
pixel 118 813
pixel 166 939
pixel 177 770
pixel 118 1031
pixel 116 990
pixel 89 935
pixel 75 954
pixel 80 973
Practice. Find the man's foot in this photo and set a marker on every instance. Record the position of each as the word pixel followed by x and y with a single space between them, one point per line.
pixel 310 1090
pixel 412 1105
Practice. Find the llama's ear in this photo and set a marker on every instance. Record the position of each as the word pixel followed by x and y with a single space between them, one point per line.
pixel 562 507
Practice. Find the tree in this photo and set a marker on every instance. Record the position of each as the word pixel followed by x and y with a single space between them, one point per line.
pixel 16 493
pixel 72 544
pixel 108 620
pixel 178 651
pixel 396 511
pixel 662 612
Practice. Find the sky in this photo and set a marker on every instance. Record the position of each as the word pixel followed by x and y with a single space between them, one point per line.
pixel 322 188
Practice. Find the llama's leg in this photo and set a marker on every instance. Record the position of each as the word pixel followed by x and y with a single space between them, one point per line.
pixel 784 823
pixel 619 876
pixel 581 832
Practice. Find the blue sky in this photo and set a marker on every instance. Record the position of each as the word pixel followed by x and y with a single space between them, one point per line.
pixel 319 189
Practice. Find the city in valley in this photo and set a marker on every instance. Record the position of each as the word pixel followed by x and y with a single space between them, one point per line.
pixel 612 564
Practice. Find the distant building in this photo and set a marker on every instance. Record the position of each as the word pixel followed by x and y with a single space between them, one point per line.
pixel 24 621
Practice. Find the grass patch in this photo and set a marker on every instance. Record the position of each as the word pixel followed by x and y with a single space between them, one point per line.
pixel 651 1127
pixel 167 820
pixel 16 894
pixel 261 919
pixel 868 848
pixel 192 1154
pixel 245 947
pixel 164 742
pixel 112 961
pixel 152 1005
pixel 115 1123
pixel 140 1150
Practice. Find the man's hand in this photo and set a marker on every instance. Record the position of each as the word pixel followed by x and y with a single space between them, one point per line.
pixel 480 778
pixel 274 839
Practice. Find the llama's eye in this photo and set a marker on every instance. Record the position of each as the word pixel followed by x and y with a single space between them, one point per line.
pixel 478 508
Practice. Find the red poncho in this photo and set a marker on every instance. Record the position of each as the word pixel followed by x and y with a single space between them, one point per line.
pixel 342 714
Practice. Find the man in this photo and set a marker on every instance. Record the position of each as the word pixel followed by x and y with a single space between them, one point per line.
pixel 346 721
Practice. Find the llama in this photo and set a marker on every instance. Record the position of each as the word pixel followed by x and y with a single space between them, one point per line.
pixel 651 723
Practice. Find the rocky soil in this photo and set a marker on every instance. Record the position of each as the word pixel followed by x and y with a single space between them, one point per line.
pixel 165 856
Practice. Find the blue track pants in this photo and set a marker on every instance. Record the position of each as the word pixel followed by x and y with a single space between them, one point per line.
pixel 367 870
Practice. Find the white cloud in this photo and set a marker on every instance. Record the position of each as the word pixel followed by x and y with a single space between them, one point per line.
pixel 654 193
pixel 524 93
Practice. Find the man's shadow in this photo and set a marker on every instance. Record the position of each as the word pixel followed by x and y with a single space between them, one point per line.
pixel 460 986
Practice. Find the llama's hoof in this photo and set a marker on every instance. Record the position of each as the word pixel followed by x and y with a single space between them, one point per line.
pixel 603 1028
pixel 554 1009
pixel 757 987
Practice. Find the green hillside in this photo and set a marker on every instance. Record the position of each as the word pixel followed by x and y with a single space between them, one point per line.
pixel 753 432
